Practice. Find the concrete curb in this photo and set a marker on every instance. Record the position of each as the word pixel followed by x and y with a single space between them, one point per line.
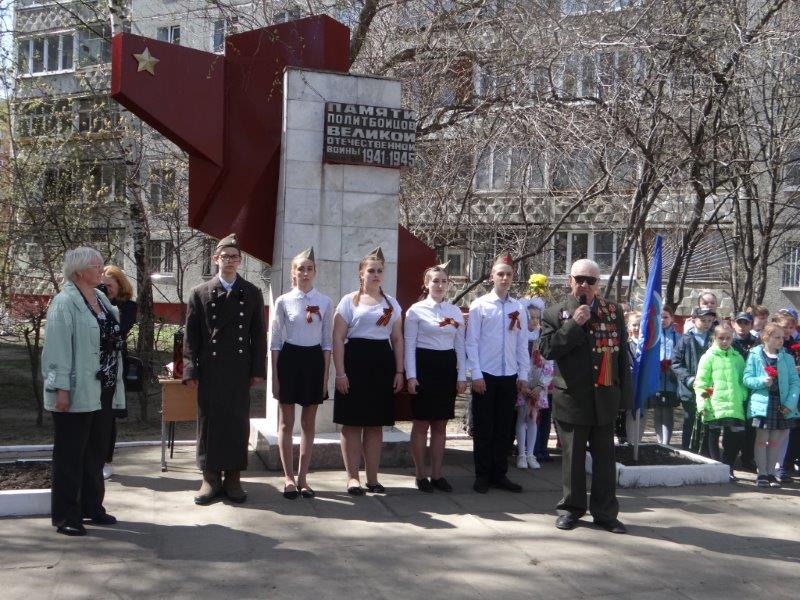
pixel 24 503
pixel 705 471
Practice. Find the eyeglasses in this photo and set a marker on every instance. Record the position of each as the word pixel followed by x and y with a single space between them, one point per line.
pixel 581 279
pixel 230 257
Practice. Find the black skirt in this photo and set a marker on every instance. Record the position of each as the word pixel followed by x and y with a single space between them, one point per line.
pixel 301 373
pixel 370 368
pixel 437 373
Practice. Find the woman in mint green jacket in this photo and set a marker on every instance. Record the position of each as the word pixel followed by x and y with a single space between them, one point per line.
pixel 773 400
pixel 82 372
pixel 721 396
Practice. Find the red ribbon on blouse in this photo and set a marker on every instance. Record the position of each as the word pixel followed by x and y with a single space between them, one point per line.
pixel 311 311
pixel 386 317
pixel 448 321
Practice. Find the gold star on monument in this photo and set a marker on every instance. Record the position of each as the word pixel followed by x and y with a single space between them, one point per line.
pixel 147 62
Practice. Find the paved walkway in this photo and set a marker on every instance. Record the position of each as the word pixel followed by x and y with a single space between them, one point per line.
pixel 732 541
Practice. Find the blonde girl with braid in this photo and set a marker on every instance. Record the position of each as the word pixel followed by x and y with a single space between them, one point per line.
pixel 368 358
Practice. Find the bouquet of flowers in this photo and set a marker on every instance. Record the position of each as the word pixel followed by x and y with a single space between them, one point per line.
pixel 771 371
pixel 538 286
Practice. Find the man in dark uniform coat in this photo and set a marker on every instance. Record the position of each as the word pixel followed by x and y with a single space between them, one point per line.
pixel 224 355
pixel 587 338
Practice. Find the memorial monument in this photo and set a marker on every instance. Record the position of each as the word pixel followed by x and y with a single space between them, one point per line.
pixel 287 150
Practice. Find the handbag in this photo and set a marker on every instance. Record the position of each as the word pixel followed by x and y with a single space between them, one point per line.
pixel 133 374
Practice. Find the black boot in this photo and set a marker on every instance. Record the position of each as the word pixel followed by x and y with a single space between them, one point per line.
pixel 210 489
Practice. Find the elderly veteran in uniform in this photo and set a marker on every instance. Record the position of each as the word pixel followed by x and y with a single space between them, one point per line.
pixel 224 355
pixel 585 335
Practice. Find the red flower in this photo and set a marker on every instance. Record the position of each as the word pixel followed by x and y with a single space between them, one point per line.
pixel 707 392
pixel 665 365
pixel 771 371
pixel 795 347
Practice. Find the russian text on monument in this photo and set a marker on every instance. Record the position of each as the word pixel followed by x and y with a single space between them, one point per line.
pixel 369 135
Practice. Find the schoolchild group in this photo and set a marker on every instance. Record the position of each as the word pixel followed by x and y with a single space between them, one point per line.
pixel 375 356
pixel 737 380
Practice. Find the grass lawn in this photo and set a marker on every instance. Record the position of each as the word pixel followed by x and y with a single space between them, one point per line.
pixel 18 407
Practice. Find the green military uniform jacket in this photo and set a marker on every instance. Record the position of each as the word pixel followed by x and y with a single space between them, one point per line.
pixel 592 381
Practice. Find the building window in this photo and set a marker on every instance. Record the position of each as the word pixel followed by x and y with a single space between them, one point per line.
pixel 162 186
pixel 503 168
pixel 100 182
pixel 94 45
pixel 42 117
pixel 97 114
pixel 34 254
pixel 46 54
pixel 162 257
pixel 599 246
pixel 791 266
pixel 457 261
pixel 291 14
pixel 222 29
pixel 170 33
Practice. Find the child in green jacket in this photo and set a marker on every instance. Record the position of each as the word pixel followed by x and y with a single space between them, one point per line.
pixel 721 396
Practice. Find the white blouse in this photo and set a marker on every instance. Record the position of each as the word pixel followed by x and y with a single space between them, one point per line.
pixel 434 326
pixel 290 320
pixel 362 320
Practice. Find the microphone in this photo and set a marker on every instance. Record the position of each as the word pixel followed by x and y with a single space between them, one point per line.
pixel 582 299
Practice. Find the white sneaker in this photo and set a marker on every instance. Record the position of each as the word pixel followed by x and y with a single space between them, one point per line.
pixel 522 463
pixel 107 471
pixel 533 463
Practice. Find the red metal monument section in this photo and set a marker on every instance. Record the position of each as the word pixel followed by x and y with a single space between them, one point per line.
pixel 225 112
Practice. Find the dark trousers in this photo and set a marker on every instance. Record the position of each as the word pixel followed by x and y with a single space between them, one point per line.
pixel 492 419
pixel 749 443
pixel 792 451
pixel 112 440
pixel 689 413
pixel 540 450
pixel 80 445
pixel 621 427
pixel 732 444
pixel 603 503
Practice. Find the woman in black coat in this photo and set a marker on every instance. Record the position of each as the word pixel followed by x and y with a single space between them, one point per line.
pixel 119 290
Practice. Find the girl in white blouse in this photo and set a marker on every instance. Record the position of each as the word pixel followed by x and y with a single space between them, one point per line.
pixel 436 370
pixel 300 344
pixel 369 371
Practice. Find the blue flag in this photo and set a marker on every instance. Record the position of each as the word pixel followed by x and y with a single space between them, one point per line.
pixel 647 365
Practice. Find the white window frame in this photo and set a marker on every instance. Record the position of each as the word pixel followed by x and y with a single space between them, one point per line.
pixel 93 42
pixel 224 26
pixel 790 273
pixel 169 34
pixel 462 256
pixel 166 257
pixel 66 37
pixel 590 250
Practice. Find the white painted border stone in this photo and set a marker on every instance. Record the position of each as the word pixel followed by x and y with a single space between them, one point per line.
pixel 705 471
pixel 24 503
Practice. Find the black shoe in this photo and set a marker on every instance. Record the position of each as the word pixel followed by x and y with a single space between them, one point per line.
pixel 72 530
pixel 567 522
pixel 762 481
pixel 103 519
pixel 376 488
pixel 442 484
pixel 290 494
pixel 612 526
pixel 773 481
pixel 424 485
pixel 355 490
pixel 481 485
pixel 307 492
pixel 504 483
